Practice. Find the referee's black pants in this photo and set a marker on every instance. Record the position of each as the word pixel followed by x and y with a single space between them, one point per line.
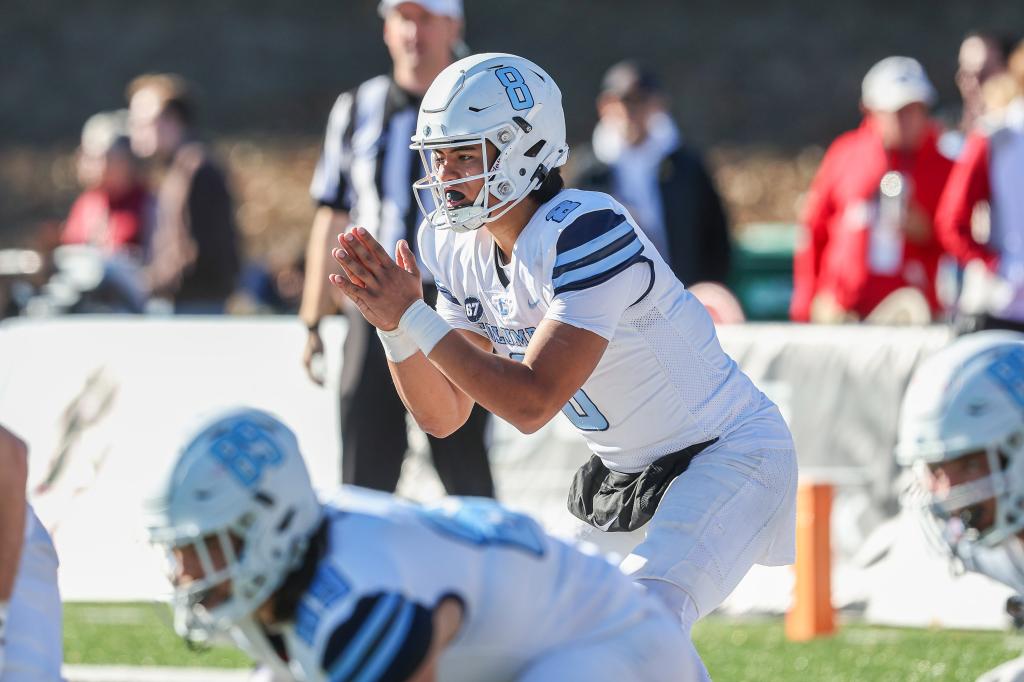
pixel 373 426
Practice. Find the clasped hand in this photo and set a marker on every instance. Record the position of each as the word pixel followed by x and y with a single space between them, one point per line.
pixel 382 288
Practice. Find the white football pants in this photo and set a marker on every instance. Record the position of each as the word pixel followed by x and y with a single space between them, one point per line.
pixel 735 506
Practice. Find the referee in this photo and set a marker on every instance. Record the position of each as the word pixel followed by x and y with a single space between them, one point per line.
pixel 364 177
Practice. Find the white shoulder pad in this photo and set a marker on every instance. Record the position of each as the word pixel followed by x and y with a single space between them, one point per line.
pixel 594 238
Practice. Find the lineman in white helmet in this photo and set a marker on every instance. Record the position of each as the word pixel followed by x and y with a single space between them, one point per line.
pixel 962 428
pixel 962 431
pixel 559 302
pixel 366 587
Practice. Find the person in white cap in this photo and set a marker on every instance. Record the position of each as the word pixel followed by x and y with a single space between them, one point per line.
pixel 867 221
pixel 364 177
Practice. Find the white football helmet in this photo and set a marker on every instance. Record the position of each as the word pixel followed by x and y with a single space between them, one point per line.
pixel 498 98
pixel 965 399
pixel 240 481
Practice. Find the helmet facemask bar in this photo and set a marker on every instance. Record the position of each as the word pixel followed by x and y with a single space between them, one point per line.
pixel 195 620
pixel 941 534
pixel 495 182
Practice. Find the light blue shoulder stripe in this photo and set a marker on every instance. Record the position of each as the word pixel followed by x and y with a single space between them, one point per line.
pixel 600 266
pixel 593 245
pixel 367 634
pixel 389 647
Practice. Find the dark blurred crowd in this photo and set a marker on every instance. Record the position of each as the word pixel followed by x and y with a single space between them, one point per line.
pixel 914 217
pixel 153 229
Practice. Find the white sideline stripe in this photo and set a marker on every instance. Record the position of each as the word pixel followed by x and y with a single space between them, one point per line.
pixel 124 673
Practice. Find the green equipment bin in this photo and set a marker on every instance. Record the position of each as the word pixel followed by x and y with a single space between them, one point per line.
pixel 762 269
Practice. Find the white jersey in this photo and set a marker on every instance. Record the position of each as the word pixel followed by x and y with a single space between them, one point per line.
pixel 367 615
pixel 36 537
pixel 664 382
pixel 34 649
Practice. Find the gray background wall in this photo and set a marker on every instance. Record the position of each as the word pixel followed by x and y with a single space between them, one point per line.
pixel 740 73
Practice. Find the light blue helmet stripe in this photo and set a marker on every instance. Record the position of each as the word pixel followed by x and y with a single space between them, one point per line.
pixel 356 650
pixel 389 646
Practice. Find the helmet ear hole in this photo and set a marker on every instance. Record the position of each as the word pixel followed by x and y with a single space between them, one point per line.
pixel 533 151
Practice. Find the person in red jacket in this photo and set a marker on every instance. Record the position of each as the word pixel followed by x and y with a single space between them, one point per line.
pixel 116 211
pixel 868 216
pixel 981 216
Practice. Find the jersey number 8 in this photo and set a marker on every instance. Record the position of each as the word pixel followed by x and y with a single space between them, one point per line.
pixel 245 451
pixel 580 410
pixel 484 522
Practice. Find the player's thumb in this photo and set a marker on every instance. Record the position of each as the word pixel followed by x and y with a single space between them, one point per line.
pixel 406 258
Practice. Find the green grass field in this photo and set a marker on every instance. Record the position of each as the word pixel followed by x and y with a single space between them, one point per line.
pixel 734 650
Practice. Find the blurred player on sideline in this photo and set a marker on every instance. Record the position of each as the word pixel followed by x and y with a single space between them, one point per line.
pixel 366 587
pixel 31 640
pixel 562 304
pixel 962 430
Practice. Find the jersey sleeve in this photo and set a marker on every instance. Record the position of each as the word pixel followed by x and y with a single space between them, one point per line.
pixel 384 638
pixel 450 305
pixel 599 270
pixel 330 180
pixel 452 310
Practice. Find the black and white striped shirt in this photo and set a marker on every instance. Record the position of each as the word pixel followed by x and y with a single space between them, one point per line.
pixel 366 167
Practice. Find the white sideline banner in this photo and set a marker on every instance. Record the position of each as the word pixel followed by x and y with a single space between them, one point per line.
pixel 103 401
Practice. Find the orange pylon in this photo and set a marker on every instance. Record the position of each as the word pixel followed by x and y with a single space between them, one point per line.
pixel 811 614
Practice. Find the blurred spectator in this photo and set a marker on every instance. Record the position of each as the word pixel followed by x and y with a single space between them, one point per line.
pixel 115 212
pixel 982 55
pixel 639 157
pixel 272 285
pixel 721 304
pixel 364 177
pixel 195 259
pixel 981 215
pixel 868 216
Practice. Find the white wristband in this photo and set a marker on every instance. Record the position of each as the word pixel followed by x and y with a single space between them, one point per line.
pixel 3 621
pixel 398 345
pixel 424 326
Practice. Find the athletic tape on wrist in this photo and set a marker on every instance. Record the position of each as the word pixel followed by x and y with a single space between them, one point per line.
pixel 424 326
pixel 3 618
pixel 398 345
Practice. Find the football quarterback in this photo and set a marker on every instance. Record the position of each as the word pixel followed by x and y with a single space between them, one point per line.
pixel 552 300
